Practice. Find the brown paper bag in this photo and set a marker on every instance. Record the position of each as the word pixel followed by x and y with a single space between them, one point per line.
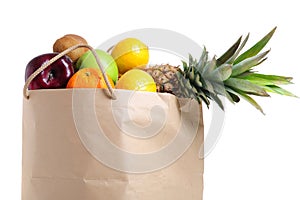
pixel 80 144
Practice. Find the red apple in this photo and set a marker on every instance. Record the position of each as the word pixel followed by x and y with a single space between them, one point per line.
pixel 56 75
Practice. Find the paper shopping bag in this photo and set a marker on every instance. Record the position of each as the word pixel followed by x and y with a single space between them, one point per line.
pixel 79 146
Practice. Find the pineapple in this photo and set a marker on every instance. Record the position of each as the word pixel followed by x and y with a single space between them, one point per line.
pixel 230 75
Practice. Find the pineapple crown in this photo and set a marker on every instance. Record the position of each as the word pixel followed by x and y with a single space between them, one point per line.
pixel 232 75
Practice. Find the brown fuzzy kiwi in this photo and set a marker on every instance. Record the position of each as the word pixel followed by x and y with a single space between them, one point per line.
pixel 67 41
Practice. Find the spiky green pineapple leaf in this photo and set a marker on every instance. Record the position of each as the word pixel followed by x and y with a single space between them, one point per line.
pixel 218 101
pixel 202 96
pixel 278 90
pixel 245 86
pixel 235 55
pixel 263 79
pixel 184 65
pixel 229 53
pixel 220 89
pixel 191 60
pixel 254 50
pixel 234 97
pixel 247 98
pixel 247 64
pixel 191 73
pixel 202 61
pixel 209 67
pixel 263 60
pixel 221 73
pixel 209 87
pixel 197 81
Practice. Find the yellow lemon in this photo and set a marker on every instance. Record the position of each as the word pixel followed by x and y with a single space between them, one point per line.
pixel 136 79
pixel 130 53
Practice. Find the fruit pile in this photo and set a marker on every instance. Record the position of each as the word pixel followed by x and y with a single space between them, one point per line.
pixel 126 67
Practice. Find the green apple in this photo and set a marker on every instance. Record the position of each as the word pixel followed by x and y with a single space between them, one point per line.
pixel 87 60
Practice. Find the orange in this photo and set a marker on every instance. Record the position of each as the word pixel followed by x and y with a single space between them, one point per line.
pixel 136 79
pixel 130 53
pixel 88 78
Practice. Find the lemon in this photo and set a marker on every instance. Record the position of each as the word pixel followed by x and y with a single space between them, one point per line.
pixel 136 79
pixel 130 53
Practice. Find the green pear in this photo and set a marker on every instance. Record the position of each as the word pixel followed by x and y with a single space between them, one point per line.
pixel 87 60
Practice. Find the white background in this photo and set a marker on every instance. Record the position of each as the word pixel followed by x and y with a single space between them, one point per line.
pixel 257 156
